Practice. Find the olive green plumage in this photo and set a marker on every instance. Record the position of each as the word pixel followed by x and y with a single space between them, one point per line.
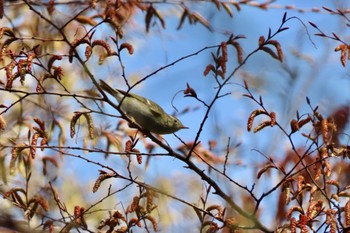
pixel 144 112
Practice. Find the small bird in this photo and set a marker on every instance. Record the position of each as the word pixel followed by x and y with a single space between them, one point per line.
pixel 144 112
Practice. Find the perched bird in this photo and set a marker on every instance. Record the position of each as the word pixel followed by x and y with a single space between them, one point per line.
pixel 144 112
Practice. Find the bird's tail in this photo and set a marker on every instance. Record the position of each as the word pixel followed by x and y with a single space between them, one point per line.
pixel 108 88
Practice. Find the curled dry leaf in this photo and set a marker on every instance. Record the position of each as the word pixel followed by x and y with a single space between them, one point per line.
pixel 328 168
pixel 262 125
pixel 88 52
pixel 208 68
pixel 190 91
pixel 264 169
pixel 334 183
pixel 227 8
pixel 184 15
pixel 6 31
pixel 317 170
pixel 347 213
pixel 52 60
pixel 41 201
pixel 196 17
pixel 314 209
pixel 273 118
pixel 104 44
pixel 73 122
pixel 301 123
pixel 85 20
pixel 138 155
pixel 294 209
pixel 252 117
pixel 133 206
pixel 127 46
pixel 91 127
pixel 33 145
pixel 287 195
pixel 294 125
pixel 293 225
pixel 218 208
pixel 325 131
pixel 76 43
pixel 278 49
pixel 238 49
pixel 270 51
pixel 261 40
pixel 79 216
pixel 2 123
pixel 343 48
pixel 102 177
pixel 153 222
pixel 223 47
pixel 128 146
pixel 151 11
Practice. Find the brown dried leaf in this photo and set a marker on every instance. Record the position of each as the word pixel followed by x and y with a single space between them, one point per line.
pixel 264 169
pixel 261 40
pixel 133 206
pixel 153 221
pixel 238 49
pixel 88 52
pixel 33 145
pixel 325 131
pixel 103 176
pixel 41 201
pixel 314 209
pixel 301 123
pixel 278 49
pixel 347 213
pixel 91 127
pixel 293 225
pixel 328 168
pixel 138 155
pixel 227 8
pixel 273 118
pixel 190 91
pixel 128 47
pixel 6 31
pixel 104 44
pixel 294 209
pixel 85 20
pixel 262 125
pixel 73 122
pixel 252 117
pixel 51 7
pixel 208 68
pixel 343 48
pixel 334 183
pixel 148 17
pixel 2 123
pixel 52 60
pixel 76 43
pixel 184 15
pixel 218 208
pixel 196 17
pixel 294 125
pixel 269 51
pixel 160 17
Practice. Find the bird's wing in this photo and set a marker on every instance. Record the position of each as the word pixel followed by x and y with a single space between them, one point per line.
pixel 154 107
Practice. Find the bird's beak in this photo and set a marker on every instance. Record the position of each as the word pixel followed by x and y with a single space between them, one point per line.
pixel 184 127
